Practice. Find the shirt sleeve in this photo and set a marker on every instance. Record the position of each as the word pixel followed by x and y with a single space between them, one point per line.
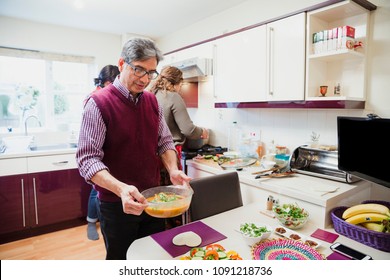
pixel 89 152
pixel 165 140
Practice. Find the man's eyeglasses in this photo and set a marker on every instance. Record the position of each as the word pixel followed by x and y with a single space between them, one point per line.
pixel 140 72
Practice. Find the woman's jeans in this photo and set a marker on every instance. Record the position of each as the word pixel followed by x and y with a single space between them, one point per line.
pixel 92 216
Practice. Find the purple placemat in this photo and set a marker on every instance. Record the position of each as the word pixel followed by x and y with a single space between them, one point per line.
pixel 208 235
pixel 325 235
pixel 336 256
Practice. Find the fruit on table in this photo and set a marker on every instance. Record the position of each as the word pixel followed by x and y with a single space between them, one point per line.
pixel 379 227
pixel 366 217
pixel 366 208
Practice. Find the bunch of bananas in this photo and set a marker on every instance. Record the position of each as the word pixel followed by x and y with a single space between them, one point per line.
pixel 372 216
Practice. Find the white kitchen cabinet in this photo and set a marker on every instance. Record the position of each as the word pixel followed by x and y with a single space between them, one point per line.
pixel 286 59
pixel 266 63
pixel 240 66
pixel 337 66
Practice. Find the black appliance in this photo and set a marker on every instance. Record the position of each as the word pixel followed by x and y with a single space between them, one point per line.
pixel 363 147
pixel 205 150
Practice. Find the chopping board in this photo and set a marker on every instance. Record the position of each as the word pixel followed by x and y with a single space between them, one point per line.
pixel 208 162
pixel 307 186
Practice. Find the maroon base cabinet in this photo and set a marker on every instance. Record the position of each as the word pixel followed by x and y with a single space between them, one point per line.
pixel 41 202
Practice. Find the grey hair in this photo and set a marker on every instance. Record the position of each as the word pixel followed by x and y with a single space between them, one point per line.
pixel 139 49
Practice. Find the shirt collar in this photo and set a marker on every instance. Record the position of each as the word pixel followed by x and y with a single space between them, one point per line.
pixel 124 91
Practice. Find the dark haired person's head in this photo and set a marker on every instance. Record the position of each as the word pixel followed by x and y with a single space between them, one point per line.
pixel 107 75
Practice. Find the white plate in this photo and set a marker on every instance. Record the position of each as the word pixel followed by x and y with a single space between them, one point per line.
pixel 303 238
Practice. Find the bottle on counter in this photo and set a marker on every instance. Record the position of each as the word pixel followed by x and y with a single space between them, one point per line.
pixel 234 137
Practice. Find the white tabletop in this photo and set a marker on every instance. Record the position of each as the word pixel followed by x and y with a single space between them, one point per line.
pixel 228 222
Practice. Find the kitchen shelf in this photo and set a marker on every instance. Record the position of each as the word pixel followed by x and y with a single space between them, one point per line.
pixel 344 67
pixel 337 55
pixel 316 103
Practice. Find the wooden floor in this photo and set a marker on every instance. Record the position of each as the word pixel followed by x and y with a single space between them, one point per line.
pixel 69 244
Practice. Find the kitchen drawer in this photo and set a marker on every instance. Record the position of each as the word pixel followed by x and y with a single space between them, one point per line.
pixel 13 166
pixel 51 163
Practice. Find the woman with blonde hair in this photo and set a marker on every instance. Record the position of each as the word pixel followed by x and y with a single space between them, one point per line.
pixel 166 88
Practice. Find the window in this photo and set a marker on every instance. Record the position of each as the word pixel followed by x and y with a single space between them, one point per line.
pixel 49 86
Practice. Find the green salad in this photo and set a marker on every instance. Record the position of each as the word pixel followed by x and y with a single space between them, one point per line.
pixel 291 210
pixel 252 230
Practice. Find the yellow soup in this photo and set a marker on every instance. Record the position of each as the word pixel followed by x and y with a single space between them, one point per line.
pixel 172 207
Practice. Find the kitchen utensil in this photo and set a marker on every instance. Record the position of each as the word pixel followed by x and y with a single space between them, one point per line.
pixel 276 175
pixel 276 167
pixel 196 143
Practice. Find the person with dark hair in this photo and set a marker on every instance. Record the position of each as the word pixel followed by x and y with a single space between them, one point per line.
pixel 106 76
pixel 122 137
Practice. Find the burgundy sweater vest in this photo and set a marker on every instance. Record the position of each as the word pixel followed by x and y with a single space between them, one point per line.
pixel 130 147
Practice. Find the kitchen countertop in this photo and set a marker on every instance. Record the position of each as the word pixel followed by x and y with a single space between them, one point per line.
pixel 309 188
pixel 28 153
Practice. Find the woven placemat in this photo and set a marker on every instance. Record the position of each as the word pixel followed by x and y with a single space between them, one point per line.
pixel 284 249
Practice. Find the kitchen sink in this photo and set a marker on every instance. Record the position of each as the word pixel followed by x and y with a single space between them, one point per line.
pixel 51 147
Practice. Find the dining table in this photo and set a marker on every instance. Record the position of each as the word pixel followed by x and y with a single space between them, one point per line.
pixel 223 229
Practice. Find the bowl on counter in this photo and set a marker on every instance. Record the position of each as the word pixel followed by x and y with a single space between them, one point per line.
pixel 255 232
pixel 168 201
pixel 291 215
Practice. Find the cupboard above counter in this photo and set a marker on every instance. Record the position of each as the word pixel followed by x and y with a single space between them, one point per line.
pixel 283 70
pixel 265 63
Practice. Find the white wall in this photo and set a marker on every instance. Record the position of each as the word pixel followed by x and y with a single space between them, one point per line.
pixel 288 127
pixel 30 35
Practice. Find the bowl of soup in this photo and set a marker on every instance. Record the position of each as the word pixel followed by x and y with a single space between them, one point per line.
pixel 167 201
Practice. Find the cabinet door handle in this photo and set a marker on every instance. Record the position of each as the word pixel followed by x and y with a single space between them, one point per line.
pixel 24 210
pixel 271 61
pixel 60 163
pixel 35 202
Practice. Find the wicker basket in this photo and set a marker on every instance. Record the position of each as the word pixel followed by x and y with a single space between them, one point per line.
pixel 377 240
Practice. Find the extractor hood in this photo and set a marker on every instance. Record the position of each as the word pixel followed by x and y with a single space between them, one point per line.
pixel 195 69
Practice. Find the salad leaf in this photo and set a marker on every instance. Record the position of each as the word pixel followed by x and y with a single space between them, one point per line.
pixel 291 210
pixel 252 230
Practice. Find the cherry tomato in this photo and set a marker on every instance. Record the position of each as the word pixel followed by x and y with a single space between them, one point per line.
pixel 215 247
pixel 211 255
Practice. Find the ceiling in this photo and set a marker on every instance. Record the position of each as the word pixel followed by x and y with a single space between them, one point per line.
pixel 151 18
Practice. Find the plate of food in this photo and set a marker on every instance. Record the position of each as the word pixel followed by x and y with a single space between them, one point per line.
pixel 291 234
pixel 235 163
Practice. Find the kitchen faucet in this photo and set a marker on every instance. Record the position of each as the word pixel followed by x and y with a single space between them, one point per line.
pixel 25 123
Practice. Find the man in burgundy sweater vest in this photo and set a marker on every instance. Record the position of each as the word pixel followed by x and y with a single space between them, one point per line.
pixel 123 136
